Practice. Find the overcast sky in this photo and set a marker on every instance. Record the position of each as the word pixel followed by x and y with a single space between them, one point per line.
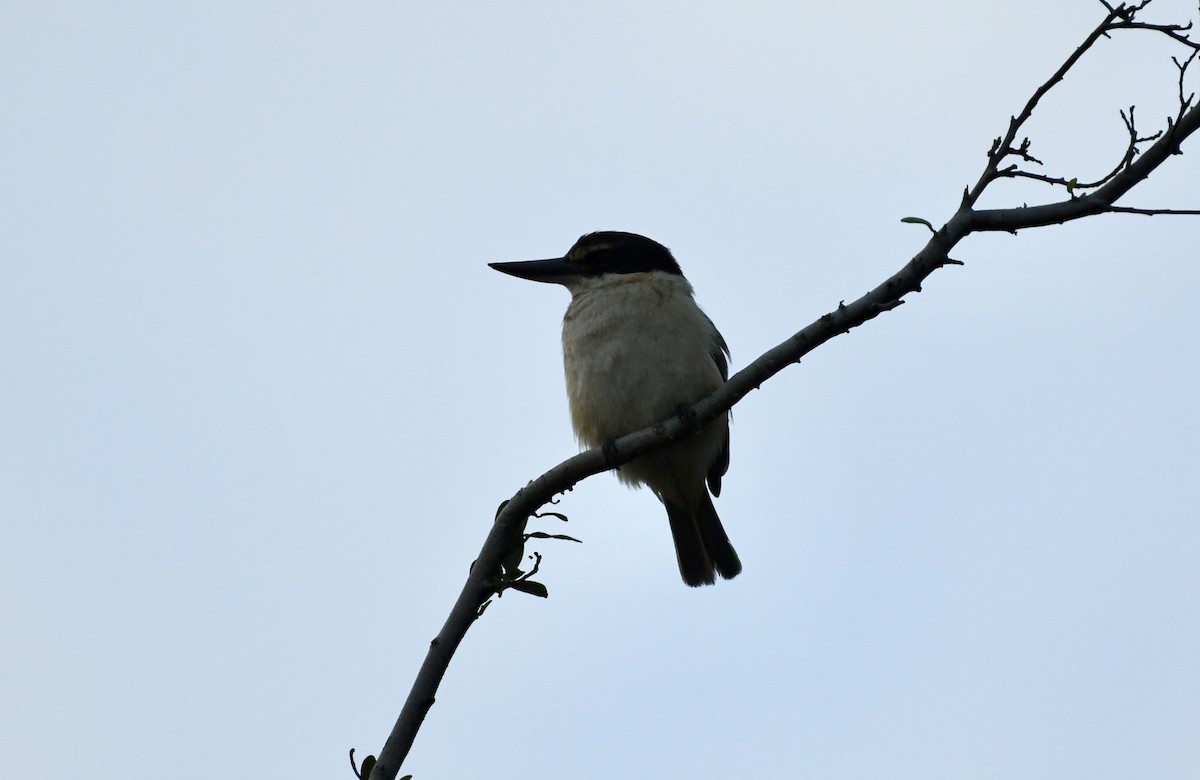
pixel 260 394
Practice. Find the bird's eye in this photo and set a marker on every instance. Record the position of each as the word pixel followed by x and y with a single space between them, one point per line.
pixel 601 259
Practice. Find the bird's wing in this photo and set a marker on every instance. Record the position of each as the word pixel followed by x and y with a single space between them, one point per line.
pixel 719 352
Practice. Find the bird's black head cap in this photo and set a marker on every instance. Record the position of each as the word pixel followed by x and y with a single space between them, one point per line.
pixel 616 252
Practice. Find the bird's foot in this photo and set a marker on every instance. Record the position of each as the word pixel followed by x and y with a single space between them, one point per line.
pixel 608 448
pixel 684 413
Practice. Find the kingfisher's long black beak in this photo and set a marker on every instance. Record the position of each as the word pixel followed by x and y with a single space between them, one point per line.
pixel 556 270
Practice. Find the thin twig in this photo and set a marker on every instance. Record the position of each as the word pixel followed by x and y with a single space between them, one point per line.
pixel 1153 212
pixel 1003 146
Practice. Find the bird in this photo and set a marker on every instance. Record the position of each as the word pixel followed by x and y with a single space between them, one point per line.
pixel 637 349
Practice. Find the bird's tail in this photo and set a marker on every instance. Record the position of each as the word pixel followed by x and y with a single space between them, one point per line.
pixel 701 545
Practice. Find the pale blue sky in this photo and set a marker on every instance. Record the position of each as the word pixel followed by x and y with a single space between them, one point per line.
pixel 261 394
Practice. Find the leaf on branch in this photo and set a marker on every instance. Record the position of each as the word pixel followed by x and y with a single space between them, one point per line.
pixel 918 221
pixel 531 587
pixel 559 515
pixel 544 535
pixel 364 771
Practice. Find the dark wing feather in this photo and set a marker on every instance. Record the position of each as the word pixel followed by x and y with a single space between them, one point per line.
pixel 719 352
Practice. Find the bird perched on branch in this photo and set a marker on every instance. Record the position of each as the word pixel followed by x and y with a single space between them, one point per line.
pixel 637 349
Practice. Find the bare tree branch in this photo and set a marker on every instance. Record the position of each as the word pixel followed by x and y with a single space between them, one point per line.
pixel 1131 151
pixel 1099 202
pixel 1174 31
pixel 485 578
pixel 1121 17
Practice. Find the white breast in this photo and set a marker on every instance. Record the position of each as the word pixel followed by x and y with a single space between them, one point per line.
pixel 636 347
